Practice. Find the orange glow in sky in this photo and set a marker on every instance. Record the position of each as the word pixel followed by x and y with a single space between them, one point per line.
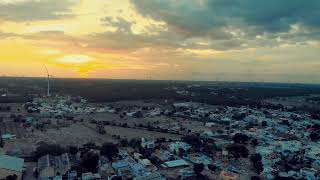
pixel 132 39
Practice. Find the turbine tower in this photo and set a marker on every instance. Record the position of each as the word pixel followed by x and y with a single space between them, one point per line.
pixel 48 81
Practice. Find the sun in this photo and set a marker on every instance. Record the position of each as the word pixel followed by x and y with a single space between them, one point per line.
pixel 75 59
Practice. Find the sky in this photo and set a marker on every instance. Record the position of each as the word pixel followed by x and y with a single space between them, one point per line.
pixel 224 40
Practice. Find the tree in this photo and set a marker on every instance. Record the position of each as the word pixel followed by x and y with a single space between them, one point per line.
pixel 255 178
pixel 256 163
pixel 73 150
pixel 135 143
pixel 255 158
pixel 314 136
pixel 110 150
pixel 116 178
pixel 12 177
pixel 89 146
pixel 90 162
pixel 155 161
pixel 138 114
pixel 1 142
pixel 193 140
pixel 264 123
pixel 198 168
pixel 239 116
pixel 124 142
pixel 238 150
pixel 181 152
pixel 212 167
pixel 240 138
pixel 52 149
pixel 254 142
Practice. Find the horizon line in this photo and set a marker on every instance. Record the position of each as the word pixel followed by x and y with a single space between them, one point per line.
pixel 221 81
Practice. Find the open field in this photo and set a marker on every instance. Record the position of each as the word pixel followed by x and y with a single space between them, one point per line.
pixel 138 133
pixel 76 134
pixel 161 121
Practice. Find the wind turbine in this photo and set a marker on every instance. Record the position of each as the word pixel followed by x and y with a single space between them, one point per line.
pixel 48 81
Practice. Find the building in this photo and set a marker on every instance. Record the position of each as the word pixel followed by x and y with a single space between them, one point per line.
pixel 176 163
pixel 49 166
pixel 8 136
pixel 121 167
pixel 11 166
pixel 176 146
pixel 150 176
pixel 91 176
pixel 72 175
pixel 197 158
pixel 150 144
pixel 229 175
pixel 210 124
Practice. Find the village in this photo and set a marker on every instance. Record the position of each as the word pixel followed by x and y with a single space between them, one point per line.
pixel 65 137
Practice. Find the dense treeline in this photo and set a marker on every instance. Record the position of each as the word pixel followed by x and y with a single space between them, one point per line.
pixel 97 90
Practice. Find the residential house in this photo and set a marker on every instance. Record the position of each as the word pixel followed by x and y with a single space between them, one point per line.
pixel 90 176
pixel 11 166
pixel 150 144
pixel 176 163
pixel 121 167
pixel 225 175
pixel 150 176
pixel 176 146
pixel 50 166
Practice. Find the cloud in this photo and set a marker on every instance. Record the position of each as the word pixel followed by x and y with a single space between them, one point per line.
pixel 120 23
pixel 199 16
pixel 31 10
pixel 4 35
pixel 229 24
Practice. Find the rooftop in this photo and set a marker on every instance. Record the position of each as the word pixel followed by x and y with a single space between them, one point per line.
pixel 176 163
pixel 11 163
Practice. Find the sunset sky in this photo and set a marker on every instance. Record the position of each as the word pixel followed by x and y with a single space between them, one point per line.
pixel 232 40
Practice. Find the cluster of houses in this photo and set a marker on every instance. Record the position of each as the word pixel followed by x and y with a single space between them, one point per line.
pixel 60 106
pixel 281 134
pixel 283 139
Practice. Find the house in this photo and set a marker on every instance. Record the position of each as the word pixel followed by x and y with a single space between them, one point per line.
pixel 8 136
pixel 176 146
pixel 308 173
pixel 176 163
pixel 137 169
pixel 72 175
pixel 225 175
pixel 150 176
pixel 164 155
pixel 104 167
pixel 57 178
pixel 90 176
pixel 210 124
pixel 147 164
pixel 11 166
pixel 199 159
pixel 137 156
pixel 186 172
pixel 150 144
pixel 49 166
pixel 121 167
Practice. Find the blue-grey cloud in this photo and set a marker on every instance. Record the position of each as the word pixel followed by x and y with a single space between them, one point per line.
pixel 36 10
pixel 201 16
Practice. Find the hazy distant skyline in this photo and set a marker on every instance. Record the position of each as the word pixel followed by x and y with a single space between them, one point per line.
pixel 231 40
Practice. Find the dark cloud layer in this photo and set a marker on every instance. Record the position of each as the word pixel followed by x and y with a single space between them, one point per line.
pixel 200 16
pixel 236 24
pixel 36 10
